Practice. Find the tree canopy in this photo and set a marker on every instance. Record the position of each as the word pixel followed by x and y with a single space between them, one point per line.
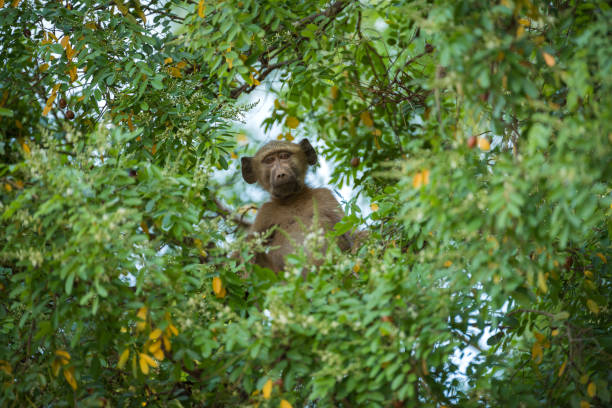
pixel 480 132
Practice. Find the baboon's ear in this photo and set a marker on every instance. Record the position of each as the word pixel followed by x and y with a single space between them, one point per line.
pixel 248 172
pixel 309 151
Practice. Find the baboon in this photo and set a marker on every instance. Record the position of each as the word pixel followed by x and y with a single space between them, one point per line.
pixel 280 168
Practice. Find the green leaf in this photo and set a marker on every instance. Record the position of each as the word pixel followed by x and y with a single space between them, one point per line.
pixel 6 112
pixel 69 283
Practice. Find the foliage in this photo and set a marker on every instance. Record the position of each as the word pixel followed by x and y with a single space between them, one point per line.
pixel 480 132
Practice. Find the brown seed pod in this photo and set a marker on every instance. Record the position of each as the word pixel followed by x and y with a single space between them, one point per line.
pixel 429 48
pixel 355 161
pixel 472 142
pixel 69 115
pixel 27 33
pixel 62 103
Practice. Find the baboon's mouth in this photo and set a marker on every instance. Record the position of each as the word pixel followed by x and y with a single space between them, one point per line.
pixel 285 189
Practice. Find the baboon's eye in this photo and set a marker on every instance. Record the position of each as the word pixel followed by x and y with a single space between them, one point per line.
pixel 284 155
pixel 268 159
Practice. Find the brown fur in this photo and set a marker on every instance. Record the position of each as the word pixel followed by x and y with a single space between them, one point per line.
pixel 280 168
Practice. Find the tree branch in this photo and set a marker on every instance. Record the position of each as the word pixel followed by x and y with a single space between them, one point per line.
pixel 334 9
pixel 226 212
pixel 248 88
pixel 331 12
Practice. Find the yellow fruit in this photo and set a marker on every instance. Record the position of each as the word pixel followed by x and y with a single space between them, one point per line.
pixel 267 389
pixel 69 376
pixel 217 286
pixel 155 334
pixel 123 358
pixel 292 122
pixel 549 59
pixel 591 389
pixel 484 144
pixel 366 119
pixel 63 354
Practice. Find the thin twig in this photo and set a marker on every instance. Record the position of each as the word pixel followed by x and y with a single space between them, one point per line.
pixel 332 10
pixel 248 88
pixel 225 212
pixel 540 312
